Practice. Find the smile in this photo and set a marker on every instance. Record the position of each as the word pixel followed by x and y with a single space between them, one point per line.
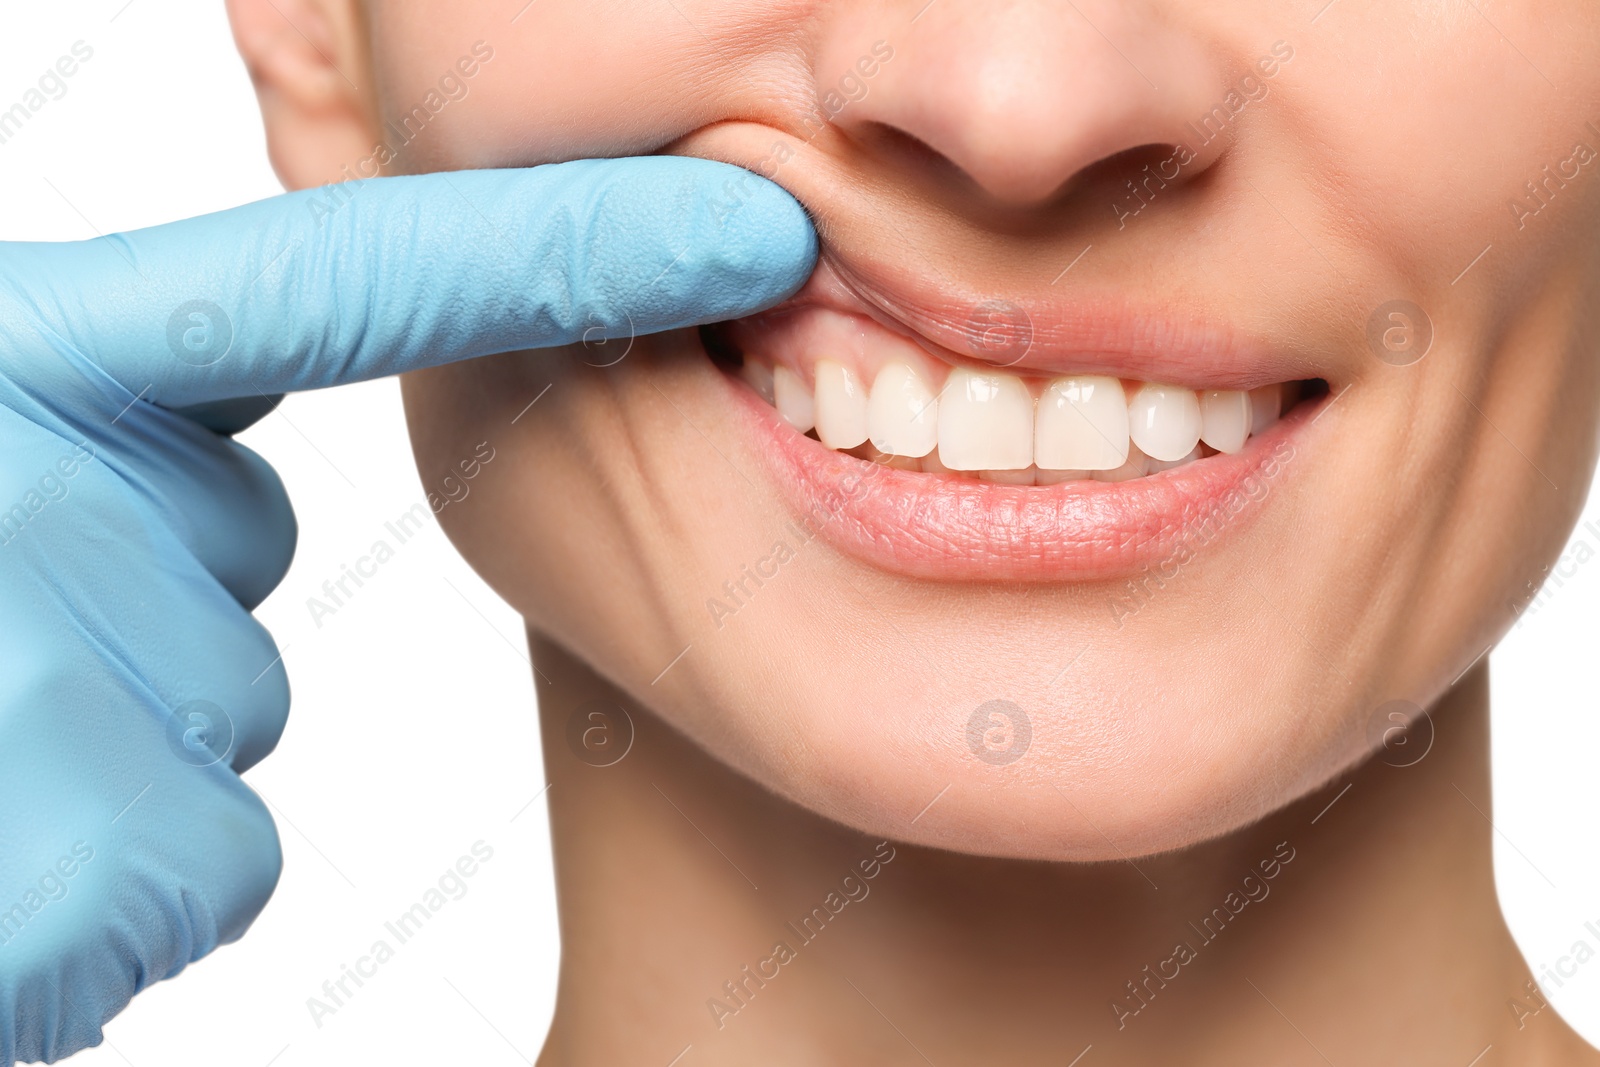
pixel 923 462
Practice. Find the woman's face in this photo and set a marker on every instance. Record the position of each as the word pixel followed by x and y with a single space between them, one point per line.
pixel 1048 229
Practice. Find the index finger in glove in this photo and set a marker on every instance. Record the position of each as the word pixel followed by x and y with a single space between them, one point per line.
pixel 416 271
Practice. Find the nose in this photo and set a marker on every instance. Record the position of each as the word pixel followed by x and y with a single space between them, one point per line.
pixel 1019 96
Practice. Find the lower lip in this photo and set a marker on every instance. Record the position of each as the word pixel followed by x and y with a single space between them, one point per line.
pixel 937 528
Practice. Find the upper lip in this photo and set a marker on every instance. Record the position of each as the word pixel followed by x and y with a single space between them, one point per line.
pixel 1073 332
pixel 1092 319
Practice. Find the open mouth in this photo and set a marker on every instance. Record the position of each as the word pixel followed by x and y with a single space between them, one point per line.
pixel 855 388
pixel 931 464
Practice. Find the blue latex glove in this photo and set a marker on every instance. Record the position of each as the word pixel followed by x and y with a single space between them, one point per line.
pixel 134 540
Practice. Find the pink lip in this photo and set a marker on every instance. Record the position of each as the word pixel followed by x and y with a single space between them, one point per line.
pixel 939 528
pixel 1080 333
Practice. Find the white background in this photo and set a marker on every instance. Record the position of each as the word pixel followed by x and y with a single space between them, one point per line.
pixel 414 735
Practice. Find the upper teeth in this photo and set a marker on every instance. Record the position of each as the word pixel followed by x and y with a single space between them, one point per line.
pixel 1164 420
pixel 1081 424
pixel 989 420
pixel 902 413
pixel 985 422
pixel 841 409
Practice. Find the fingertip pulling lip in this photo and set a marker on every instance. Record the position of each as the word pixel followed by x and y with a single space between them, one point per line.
pixel 926 274
pixel 934 528
pixel 1113 316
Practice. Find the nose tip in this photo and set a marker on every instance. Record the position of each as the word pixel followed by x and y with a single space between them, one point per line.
pixel 1022 97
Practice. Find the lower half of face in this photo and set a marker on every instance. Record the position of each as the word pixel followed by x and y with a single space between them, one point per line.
pixel 1155 650
pixel 1109 530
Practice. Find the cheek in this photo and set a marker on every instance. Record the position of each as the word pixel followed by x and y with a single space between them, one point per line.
pixel 606 516
pixel 568 80
pixel 1428 124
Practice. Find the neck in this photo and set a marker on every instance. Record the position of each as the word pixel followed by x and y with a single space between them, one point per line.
pixel 699 911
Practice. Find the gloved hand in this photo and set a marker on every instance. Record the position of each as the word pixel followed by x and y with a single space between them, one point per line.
pixel 135 539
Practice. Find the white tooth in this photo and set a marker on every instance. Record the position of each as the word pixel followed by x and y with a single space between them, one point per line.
pixel 793 399
pixel 1022 477
pixel 1082 424
pixel 1159 465
pixel 759 377
pixel 1164 420
pixel 1225 416
pixel 841 406
pixel 985 422
pixel 902 413
pixel 1137 465
pixel 1046 477
pixel 931 464
pixel 1266 404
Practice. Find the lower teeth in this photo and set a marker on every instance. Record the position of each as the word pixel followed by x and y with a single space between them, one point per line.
pixel 1138 466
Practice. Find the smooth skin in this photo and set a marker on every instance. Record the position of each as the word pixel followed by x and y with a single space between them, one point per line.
pixel 1182 747
pixel 136 535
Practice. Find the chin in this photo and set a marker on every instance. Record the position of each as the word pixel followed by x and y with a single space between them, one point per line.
pixel 980 745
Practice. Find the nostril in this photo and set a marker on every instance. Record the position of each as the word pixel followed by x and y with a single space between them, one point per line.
pixel 909 155
pixel 1020 100
pixel 1007 185
pixel 1157 163
pixel 1139 173
pixel 1133 180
